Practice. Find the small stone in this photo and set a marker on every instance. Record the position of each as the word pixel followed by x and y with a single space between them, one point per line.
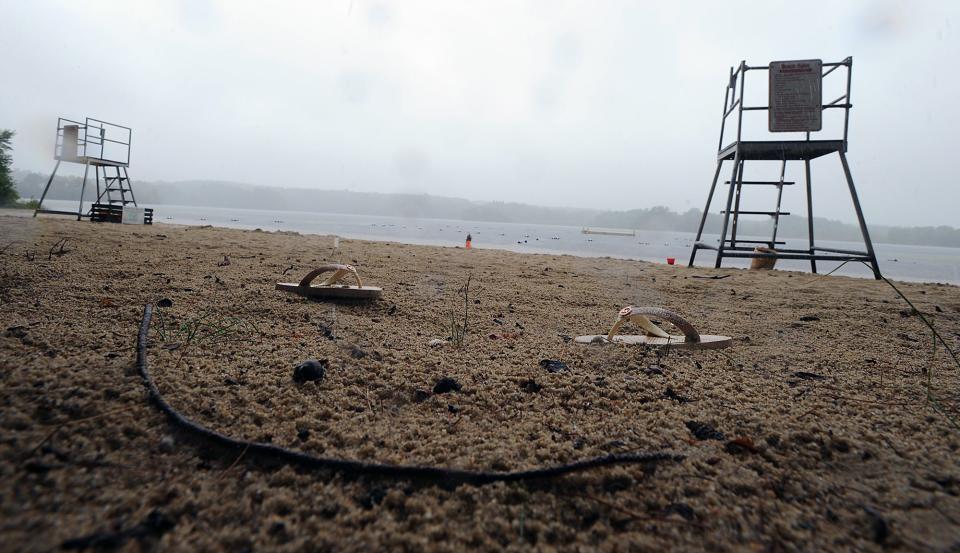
pixel 530 386
pixel 165 302
pixel 809 318
pixel 681 509
pixel 553 366
pixel 445 385
pixel 436 342
pixel 18 331
pixel 809 376
pixel 310 370
pixel 357 353
pixel 419 396
pixel 672 395
pixel 167 445
pixel 703 431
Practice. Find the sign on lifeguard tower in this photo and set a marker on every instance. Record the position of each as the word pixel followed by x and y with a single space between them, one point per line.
pixel 796 96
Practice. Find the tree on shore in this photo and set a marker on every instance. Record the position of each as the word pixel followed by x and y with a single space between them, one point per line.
pixel 8 193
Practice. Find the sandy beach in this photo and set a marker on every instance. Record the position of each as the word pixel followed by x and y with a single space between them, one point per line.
pixel 812 432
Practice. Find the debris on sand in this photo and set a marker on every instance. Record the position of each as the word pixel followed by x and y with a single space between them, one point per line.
pixel 809 376
pixel 530 386
pixel 419 396
pixel 809 318
pixel 553 366
pixel 436 342
pixel 310 370
pixel 703 431
pixel 445 385
pixel 670 394
pixel 740 445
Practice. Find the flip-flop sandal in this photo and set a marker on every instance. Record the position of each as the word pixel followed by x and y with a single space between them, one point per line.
pixel 656 336
pixel 331 288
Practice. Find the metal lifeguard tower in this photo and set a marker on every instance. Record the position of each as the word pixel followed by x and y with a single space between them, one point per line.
pixel 106 147
pixel 795 105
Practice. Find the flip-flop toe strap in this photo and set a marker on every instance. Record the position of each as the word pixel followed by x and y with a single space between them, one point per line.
pixel 339 272
pixel 688 330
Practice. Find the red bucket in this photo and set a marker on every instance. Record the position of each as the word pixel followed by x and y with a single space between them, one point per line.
pixel 671 260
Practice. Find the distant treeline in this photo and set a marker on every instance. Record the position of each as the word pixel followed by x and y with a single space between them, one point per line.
pixel 246 196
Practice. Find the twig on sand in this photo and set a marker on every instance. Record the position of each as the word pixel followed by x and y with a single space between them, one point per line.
pixel 57 249
pixel 931 399
pixel 234 463
pixel 74 421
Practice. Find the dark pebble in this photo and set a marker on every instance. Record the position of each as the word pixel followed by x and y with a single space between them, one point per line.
pixel 681 509
pixel 357 353
pixel 165 302
pixel 445 385
pixel 419 396
pixel 881 530
pixel 553 366
pixel 373 497
pixel 670 394
pixel 653 370
pixel 326 331
pixel 703 431
pixel 16 332
pixel 809 376
pixel 453 408
pixel 303 435
pixel 310 370
pixel 809 318
pixel 530 386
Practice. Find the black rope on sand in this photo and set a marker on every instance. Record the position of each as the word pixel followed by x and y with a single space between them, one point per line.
pixel 346 466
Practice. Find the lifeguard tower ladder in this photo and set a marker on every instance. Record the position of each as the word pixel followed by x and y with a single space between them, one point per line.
pixel 795 105
pixel 106 147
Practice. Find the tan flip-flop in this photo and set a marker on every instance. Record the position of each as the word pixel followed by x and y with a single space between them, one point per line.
pixel 656 336
pixel 331 288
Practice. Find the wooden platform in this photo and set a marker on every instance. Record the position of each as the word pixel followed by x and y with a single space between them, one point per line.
pixel 95 161
pixel 781 149
pixel 113 213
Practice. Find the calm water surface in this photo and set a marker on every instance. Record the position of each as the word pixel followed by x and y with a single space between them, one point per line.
pixel 911 263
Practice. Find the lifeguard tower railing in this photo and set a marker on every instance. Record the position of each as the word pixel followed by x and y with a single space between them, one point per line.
pixel 799 147
pixel 98 142
pixel 733 100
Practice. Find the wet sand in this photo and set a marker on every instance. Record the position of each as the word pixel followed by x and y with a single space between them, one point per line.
pixel 817 432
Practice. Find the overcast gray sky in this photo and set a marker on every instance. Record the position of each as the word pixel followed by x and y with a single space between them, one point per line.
pixel 594 104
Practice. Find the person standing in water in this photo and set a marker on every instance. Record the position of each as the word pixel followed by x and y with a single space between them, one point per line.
pixel 469 239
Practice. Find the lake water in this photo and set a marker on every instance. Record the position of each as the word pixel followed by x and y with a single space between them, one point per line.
pixel 912 263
